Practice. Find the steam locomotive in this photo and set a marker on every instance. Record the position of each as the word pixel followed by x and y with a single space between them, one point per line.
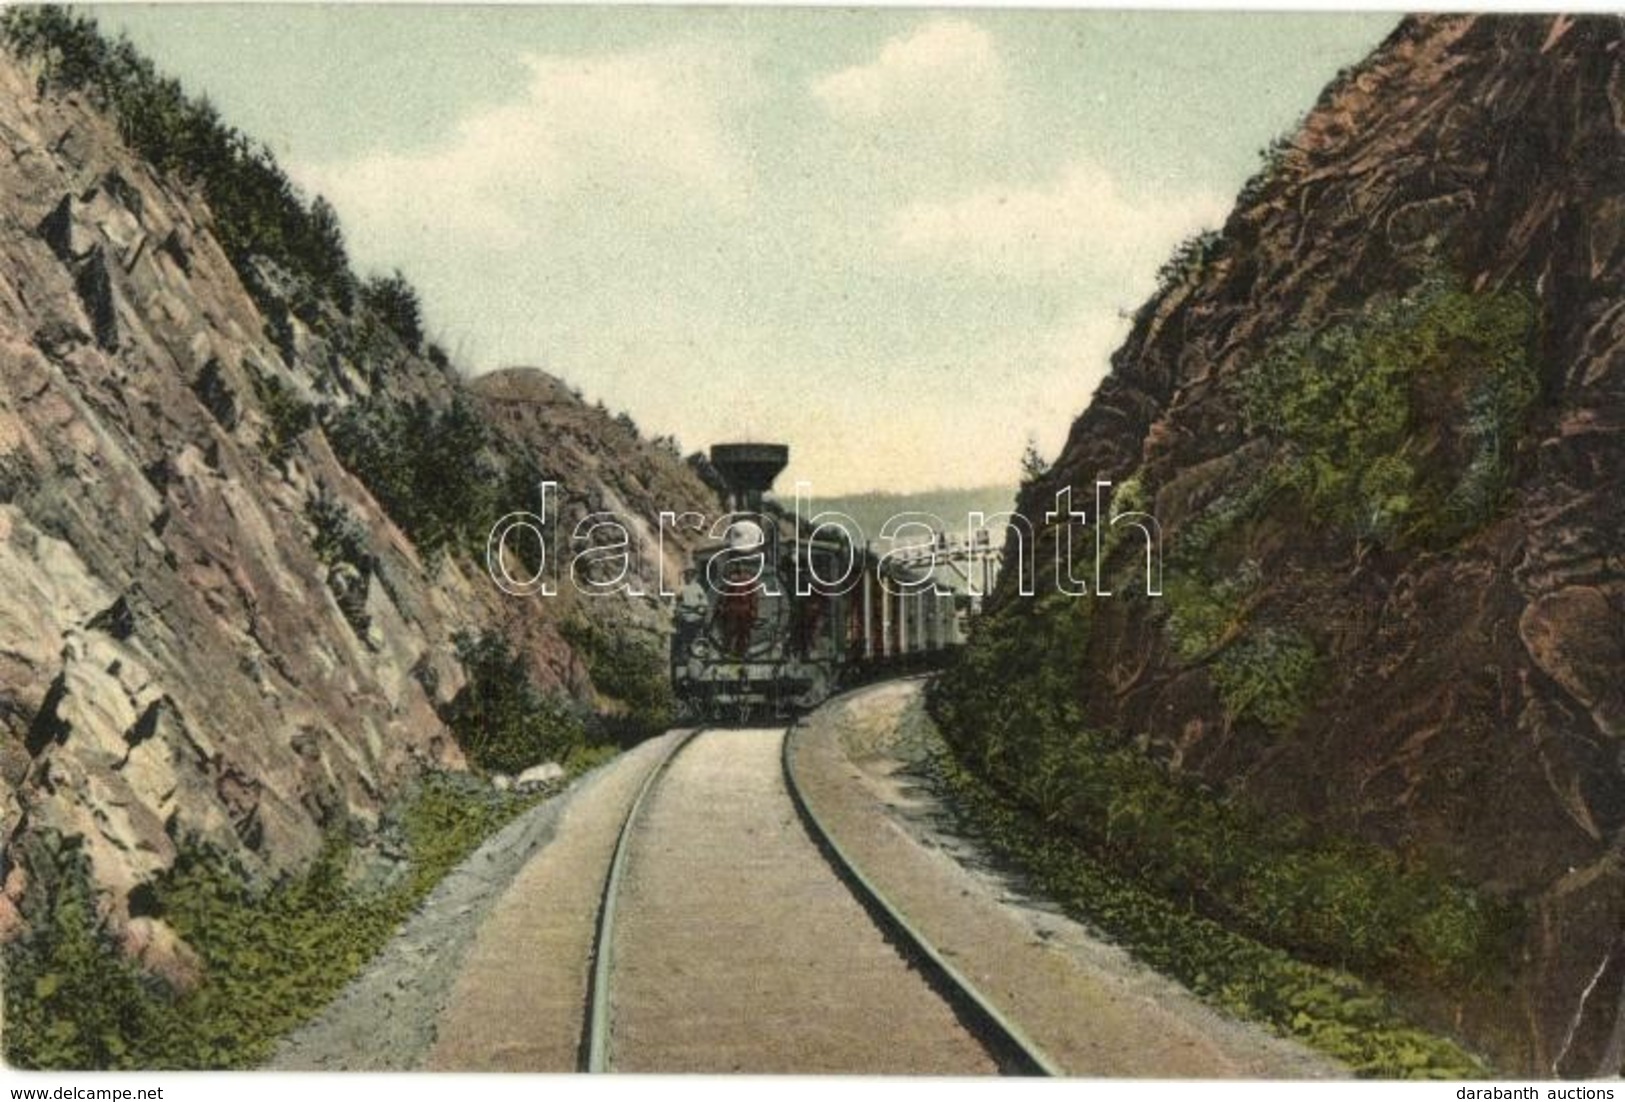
pixel 776 613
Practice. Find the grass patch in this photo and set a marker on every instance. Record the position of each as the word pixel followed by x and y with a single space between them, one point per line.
pixel 271 956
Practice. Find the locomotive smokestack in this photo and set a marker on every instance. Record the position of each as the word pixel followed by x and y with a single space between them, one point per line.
pixel 749 470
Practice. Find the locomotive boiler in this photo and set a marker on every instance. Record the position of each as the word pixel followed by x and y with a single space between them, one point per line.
pixel 777 611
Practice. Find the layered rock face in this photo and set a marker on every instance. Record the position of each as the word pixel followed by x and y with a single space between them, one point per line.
pixel 1467 709
pixel 178 657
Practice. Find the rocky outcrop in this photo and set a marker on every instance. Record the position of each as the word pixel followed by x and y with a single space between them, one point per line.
pixel 1468 712
pixel 178 660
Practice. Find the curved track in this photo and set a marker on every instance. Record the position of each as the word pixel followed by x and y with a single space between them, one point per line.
pixel 734 936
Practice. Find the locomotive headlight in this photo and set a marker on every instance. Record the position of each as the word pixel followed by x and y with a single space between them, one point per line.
pixel 746 535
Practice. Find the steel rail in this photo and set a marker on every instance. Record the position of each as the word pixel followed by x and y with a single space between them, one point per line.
pixel 594 1055
pixel 1022 1053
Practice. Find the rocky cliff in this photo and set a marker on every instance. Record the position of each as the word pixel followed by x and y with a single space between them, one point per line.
pixel 210 626
pixel 1379 420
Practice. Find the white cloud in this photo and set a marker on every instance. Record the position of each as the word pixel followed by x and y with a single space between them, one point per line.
pixel 957 418
pixel 1080 222
pixel 642 124
pixel 945 66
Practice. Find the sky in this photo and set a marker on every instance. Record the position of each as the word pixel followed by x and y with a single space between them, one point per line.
pixel 902 241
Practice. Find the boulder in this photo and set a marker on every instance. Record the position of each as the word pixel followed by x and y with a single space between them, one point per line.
pixel 538 775
pixel 162 952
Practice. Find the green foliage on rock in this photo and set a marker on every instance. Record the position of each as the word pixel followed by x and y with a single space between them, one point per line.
pixel 340 537
pixel 287 416
pixel 1272 160
pixel 72 999
pixel 1397 425
pixel 1266 674
pixel 435 470
pixel 1190 258
pixel 628 671
pixel 271 955
pixel 1400 424
pixel 1269 677
pixel 1204 614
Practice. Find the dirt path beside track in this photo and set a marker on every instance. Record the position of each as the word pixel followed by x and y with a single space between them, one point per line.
pixel 738 947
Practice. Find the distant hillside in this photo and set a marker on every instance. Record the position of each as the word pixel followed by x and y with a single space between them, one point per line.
pixel 872 510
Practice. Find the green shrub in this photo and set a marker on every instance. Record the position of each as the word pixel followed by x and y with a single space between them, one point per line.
pixel 627 671
pixel 1271 160
pixel 1189 259
pixel 72 999
pixel 436 471
pixel 395 302
pixel 340 538
pixel 1034 467
pixel 287 416
pixel 503 722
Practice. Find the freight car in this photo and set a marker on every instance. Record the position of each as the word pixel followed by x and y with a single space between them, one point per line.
pixel 774 616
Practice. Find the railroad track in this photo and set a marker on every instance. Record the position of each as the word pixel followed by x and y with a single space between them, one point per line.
pixel 734 934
